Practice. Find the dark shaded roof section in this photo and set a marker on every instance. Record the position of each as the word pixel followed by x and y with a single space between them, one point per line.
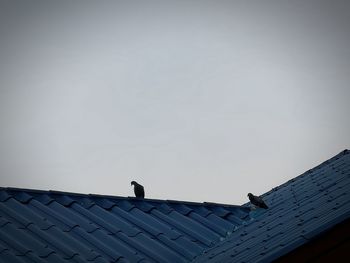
pixel 300 210
pixel 49 226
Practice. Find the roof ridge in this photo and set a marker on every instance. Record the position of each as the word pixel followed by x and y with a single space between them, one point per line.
pixel 89 195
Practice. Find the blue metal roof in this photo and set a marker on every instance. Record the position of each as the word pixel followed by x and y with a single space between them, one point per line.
pixel 49 226
pixel 299 210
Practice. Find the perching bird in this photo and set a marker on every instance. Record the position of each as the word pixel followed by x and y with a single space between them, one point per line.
pixel 138 189
pixel 257 201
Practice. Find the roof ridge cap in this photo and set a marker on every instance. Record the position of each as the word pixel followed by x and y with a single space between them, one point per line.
pixel 89 195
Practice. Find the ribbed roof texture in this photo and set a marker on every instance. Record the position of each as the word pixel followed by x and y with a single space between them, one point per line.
pixel 299 210
pixel 49 226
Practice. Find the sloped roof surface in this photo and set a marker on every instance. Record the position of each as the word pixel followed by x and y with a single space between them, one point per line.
pixel 299 210
pixel 48 226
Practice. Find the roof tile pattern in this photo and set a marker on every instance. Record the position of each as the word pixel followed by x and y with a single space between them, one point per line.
pixel 299 210
pixel 49 226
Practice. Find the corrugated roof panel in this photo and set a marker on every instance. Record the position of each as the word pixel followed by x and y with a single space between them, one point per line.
pixel 298 211
pixel 22 197
pixel 220 211
pixel 54 258
pixel 13 215
pixel 224 224
pixel 126 205
pixel 27 239
pixel 114 241
pixel 201 210
pixel 157 250
pixel 12 242
pixel 191 247
pixel 111 222
pixel 196 226
pixel 234 219
pixel 104 243
pixel 161 227
pixel 103 260
pixel 144 206
pixel 91 228
pixel 176 246
pixel 60 216
pixel 64 243
pixel 209 224
pixel 52 226
pixel 101 221
pixel 44 199
pixel 194 236
pixel 6 256
pixel 143 221
pixel 182 209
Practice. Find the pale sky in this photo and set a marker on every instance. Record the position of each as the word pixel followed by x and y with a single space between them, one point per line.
pixel 195 100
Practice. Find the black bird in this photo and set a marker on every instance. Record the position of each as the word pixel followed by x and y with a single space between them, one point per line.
pixel 257 201
pixel 138 189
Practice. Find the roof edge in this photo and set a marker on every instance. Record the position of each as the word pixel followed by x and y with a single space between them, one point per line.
pixel 115 197
pixel 342 153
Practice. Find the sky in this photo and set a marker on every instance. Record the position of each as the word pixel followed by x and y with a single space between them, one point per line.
pixel 195 100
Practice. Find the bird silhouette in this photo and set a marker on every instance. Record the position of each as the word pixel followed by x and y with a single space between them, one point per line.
pixel 257 201
pixel 138 190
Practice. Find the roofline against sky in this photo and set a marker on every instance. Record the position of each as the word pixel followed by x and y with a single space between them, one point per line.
pixel 55 192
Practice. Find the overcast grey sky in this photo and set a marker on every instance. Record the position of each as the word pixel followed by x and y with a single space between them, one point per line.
pixel 196 100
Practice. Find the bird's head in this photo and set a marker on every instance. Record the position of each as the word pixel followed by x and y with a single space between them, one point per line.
pixel 250 194
pixel 133 183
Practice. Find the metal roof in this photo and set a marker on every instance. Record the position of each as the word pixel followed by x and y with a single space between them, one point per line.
pixel 300 209
pixel 49 226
